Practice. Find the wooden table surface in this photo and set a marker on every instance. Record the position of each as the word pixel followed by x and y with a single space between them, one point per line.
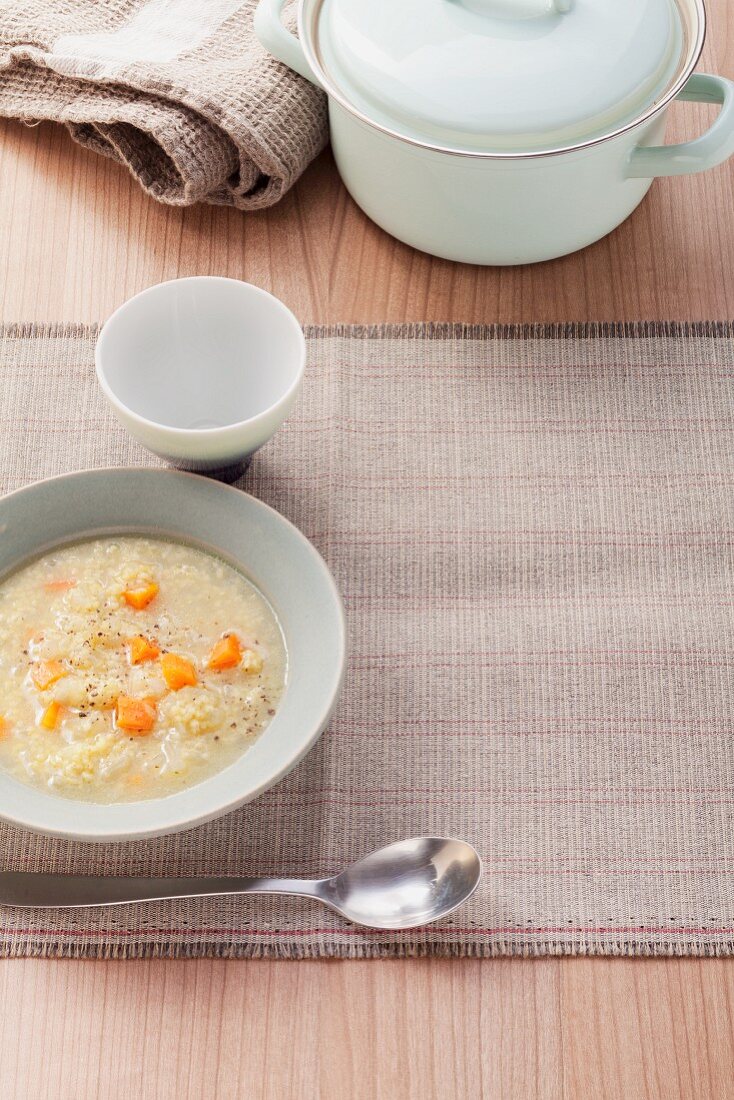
pixel 76 238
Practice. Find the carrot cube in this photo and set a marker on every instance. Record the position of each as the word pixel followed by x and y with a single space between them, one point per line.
pixel 139 598
pixel 178 672
pixel 135 715
pixel 51 715
pixel 226 653
pixel 142 649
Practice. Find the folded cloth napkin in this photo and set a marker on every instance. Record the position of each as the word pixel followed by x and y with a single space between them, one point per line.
pixel 178 90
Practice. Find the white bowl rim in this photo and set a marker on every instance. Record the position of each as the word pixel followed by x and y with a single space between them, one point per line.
pixel 93 833
pixel 200 433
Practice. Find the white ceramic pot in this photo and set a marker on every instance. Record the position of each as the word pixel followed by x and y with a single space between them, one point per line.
pixel 504 131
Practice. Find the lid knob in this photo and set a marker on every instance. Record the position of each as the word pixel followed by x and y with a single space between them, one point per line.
pixel 518 9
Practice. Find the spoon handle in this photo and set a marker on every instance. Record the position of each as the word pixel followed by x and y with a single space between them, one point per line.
pixel 27 889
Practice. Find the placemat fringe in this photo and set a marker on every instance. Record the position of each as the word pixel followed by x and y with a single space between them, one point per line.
pixel 571 330
pixel 364 951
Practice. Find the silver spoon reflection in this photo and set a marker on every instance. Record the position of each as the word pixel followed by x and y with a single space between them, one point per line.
pixel 405 885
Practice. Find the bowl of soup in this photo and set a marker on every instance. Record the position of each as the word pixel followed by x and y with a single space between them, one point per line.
pixel 170 647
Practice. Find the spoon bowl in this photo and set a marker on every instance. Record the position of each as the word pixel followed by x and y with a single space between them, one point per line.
pixel 407 884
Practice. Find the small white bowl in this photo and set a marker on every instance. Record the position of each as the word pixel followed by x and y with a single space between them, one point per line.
pixel 259 542
pixel 202 371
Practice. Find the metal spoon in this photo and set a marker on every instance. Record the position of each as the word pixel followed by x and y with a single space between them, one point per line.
pixel 404 885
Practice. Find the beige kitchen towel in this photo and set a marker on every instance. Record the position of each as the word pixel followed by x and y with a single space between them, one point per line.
pixel 180 91
pixel 533 531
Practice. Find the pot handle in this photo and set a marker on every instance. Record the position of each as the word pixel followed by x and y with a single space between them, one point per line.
pixel 712 148
pixel 278 41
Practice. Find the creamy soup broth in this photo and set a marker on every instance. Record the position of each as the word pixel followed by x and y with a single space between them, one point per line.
pixel 131 668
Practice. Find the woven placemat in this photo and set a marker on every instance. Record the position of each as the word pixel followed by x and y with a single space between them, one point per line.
pixel 533 530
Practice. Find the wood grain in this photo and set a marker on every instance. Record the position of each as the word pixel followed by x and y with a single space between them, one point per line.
pixel 546 1030
pixel 77 237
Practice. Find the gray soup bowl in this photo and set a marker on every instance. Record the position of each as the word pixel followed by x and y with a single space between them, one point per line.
pixel 248 534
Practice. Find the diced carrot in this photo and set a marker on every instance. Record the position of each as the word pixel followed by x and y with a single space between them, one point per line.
pixel 178 672
pixel 46 673
pixel 3 727
pixel 226 653
pixel 59 585
pixel 139 598
pixel 51 715
pixel 135 715
pixel 142 649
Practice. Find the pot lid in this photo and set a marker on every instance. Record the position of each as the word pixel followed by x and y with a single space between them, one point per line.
pixel 501 74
